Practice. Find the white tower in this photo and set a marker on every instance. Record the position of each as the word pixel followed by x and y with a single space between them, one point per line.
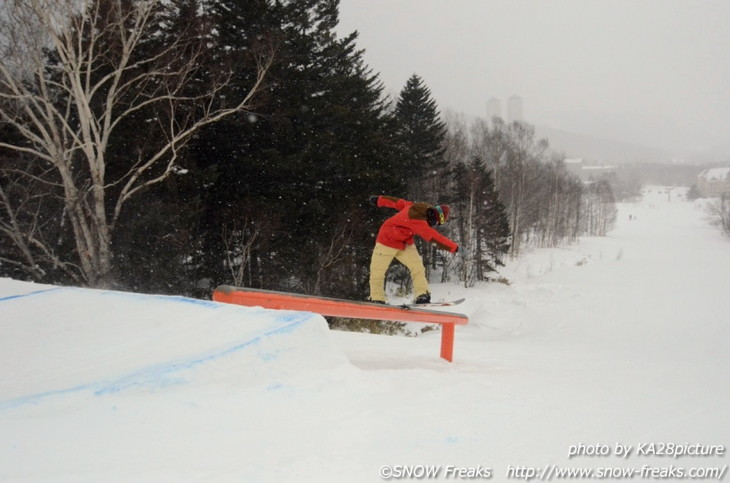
pixel 494 108
pixel 514 109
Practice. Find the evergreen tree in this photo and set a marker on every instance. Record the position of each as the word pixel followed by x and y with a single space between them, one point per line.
pixel 297 171
pixel 420 136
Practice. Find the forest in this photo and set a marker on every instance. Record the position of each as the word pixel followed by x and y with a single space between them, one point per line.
pixel 172 146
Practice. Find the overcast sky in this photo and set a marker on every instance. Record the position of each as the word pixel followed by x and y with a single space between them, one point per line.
pixel 654 72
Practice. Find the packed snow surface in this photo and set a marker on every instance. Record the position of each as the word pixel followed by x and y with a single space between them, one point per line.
pixel 622 340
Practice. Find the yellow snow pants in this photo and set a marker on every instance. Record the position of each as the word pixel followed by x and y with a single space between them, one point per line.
pixel 382 258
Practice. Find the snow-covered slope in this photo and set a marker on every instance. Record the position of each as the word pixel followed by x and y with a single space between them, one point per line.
pixel 623 340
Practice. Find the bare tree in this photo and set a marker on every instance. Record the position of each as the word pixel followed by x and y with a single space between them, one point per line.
pixel 599 209
pixel 25 221
pixel 239 242
pixel 331 253
pixel 518 179
pixel 725 213
pixel 71 73
pixel 719 211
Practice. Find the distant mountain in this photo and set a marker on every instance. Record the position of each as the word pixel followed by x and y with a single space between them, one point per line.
pixel 575 145
pixel 611 151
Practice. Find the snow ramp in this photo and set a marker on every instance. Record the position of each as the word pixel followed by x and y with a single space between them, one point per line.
pixel 61 342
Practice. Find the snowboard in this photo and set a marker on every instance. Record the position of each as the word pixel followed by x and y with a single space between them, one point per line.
pixel 445 303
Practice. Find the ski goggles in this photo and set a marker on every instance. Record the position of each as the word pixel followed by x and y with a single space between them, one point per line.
pixel 442 217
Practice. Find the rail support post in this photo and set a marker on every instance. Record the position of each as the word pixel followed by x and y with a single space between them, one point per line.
pixel 447 341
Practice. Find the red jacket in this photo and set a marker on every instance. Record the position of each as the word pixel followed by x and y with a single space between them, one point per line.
pixel 398 230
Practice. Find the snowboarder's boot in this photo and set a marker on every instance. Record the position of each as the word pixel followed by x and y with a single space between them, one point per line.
pixel 424 298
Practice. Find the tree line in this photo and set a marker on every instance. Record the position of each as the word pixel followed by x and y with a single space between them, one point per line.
pixel 172 146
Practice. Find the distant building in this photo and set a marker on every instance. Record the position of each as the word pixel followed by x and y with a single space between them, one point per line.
pixel 714 182
pixel 514 109
pixel 494 108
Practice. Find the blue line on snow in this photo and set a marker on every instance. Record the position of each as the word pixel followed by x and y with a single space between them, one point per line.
pixel 152 374
pixel 29 294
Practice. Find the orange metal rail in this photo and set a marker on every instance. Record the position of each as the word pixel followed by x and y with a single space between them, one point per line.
pixel 344 308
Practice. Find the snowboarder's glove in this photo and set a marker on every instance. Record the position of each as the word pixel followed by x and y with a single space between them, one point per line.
pixel 374 200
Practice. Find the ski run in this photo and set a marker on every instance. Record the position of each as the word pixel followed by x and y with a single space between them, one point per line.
pixel 608 359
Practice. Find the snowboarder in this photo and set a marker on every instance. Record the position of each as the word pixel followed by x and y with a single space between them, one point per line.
pixel 395 240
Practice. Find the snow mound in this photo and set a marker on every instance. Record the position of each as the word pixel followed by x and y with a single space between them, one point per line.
pixel 62 342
